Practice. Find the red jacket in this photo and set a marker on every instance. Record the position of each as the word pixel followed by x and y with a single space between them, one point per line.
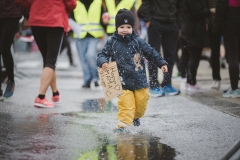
pixel 48 13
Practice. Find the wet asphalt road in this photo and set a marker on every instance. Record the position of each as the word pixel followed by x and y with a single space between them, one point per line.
pixel 199 126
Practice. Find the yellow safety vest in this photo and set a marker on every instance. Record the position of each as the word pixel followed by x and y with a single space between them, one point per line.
pixel 89 21
pixel 112 11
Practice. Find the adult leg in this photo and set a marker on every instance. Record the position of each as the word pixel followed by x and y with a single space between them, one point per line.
pixel 177 59
pixel 92 58
pixel 231 42
pixel 49 44
pixel 184 58
pixel 215 41
pixel 169 44
pixel 69 51
pixel 82 47
pixel 195 56
pixel 8 29
pixel 154 39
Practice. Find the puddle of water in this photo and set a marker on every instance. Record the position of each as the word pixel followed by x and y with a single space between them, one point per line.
pixel 131 147
pixel 98 105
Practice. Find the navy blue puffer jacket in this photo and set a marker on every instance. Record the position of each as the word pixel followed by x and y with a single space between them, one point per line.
pixel 129 52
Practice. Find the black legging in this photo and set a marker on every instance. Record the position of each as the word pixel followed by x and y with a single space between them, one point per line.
pixel 49 40
pixel 8 28
pixel 189 61
pixel 232 46
pixel 66 44
pixel 165 34
pixel 215 41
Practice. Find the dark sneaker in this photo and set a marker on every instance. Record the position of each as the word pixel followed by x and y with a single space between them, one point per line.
pixel 136 122
pixel 87 85
pixel 96 84
pixel 9 90
pixel 1 96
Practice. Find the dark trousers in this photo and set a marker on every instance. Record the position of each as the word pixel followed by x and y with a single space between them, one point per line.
pixel 189 61
pixel 8 28
pixel 232 46
pixel 66 44
pixel 215 42
pixel 165 34
pixel 49 41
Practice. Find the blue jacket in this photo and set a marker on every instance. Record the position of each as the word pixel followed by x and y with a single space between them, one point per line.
pixel 129 53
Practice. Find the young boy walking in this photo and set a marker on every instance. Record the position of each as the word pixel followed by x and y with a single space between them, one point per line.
pixel 128 50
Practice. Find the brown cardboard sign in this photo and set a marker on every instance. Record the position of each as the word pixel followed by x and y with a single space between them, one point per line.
pixel 110 81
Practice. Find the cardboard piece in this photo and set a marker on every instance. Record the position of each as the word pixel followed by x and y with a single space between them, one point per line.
pixel 110 81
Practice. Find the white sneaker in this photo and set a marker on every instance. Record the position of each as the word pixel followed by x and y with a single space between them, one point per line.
pixel 232 93
pixel 216 84
pixel 195 88
pixel 183 84
pixel 236 93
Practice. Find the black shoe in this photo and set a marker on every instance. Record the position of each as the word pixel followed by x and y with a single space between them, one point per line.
pixel 225 91
pixel 136 122
pixel 87 85
pixel 1 95
pixel 96 84
pixel 73 65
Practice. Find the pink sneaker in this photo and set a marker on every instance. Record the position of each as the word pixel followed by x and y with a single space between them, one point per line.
pixel 57 98
pixel 43 103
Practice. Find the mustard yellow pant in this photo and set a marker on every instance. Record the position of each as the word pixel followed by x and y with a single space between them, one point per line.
pixel 131 104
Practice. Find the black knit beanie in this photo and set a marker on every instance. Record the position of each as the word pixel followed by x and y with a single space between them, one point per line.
pixel 124 16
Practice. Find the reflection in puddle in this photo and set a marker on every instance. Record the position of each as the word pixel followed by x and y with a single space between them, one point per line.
pixel 98 105
pixel 131 147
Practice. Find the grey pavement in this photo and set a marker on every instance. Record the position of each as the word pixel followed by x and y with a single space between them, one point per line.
pixel 191 126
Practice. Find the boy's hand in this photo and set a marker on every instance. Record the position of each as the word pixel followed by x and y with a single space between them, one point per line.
pixel 164 68
pixel 105 65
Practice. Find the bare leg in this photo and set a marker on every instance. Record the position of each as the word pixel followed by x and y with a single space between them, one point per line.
pixel 46 79
pixel 53 83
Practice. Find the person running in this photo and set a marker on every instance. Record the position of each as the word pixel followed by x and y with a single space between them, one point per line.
pixel 128 50
pixel 10 14
pixel 48 27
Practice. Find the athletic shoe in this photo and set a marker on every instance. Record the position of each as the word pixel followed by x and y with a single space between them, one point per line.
pixel 136 122
pixel 224 91
pixel 183 84
pixel 43 103
pixel 216 84
pixel 1 96
pixel 236 93
pixel 56 98
pixel 156 92
pixel 232 93
pixel 87 85
pixel 195 88
pixel 121 130
pixel 9 89
pixel 170 91
pixel 96 84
